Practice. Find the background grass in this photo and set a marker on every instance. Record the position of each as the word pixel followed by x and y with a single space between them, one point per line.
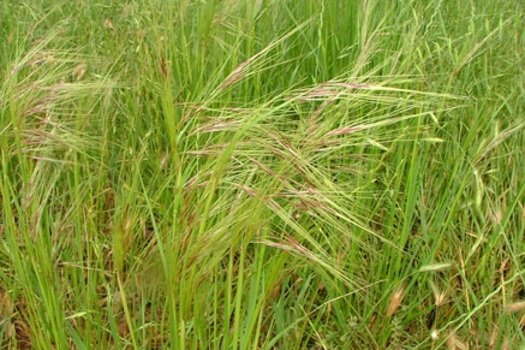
pixel 262 174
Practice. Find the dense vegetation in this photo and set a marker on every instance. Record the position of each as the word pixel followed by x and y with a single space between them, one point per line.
pixel 260 174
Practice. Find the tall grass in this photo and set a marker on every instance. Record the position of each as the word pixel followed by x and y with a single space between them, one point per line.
pixel 262 174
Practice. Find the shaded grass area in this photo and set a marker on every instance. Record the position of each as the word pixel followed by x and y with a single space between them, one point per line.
pixel 262 174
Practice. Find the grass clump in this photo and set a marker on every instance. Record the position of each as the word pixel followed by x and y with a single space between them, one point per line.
pixel 262 175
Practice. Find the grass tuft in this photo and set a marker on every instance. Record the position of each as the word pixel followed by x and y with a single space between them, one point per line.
pixel 262 174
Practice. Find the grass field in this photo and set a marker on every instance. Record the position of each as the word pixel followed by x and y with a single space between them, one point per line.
pixel 262 174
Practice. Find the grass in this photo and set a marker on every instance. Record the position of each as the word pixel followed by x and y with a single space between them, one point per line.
pixel 262 174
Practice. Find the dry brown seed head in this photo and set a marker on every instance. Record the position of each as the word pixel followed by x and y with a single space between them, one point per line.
pixel 108 23
pixel 515 307
pixel 395 301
